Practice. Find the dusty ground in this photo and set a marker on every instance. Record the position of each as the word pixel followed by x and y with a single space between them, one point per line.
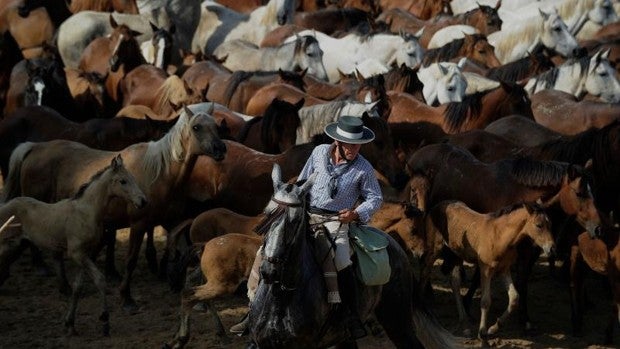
pixel 31 310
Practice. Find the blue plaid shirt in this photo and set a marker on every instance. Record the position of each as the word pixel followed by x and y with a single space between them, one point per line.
pixel 358 181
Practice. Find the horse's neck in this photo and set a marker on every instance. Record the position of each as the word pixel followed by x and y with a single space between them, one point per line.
pixel 92 198
pixel 505 233
pixel 571 79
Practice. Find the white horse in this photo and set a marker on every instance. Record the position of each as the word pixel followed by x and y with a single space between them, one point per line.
pixel 344 54
pixel 450 33
pixel 580 76
pixel 219 23
pixel 77 31
pixel 304 53
pixel 443 82
pixel 313 119
pixel 548 29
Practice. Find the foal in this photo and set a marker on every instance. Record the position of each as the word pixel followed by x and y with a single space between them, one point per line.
pixel 74 226
pixel 490 240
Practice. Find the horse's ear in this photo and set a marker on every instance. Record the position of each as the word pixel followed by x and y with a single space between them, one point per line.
pixel 188 111
pixel 461 63
pixel 588 164
pixel 211 108
pixel 153 27
pixel 574 171
pixel 276 177
pixel 358 75
pixel 419 33
pixel 113 22
pixel 443 70
pixel 544 15
pixel 605 54
pixel 117 162
pixel 308 183
pixel 341 75
pixel 303 73
pixel 499 3
pixel 134 33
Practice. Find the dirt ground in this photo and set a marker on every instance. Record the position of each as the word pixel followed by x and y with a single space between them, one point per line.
pixel 31 310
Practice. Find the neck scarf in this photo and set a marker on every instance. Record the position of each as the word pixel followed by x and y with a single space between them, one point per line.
pixel 333 177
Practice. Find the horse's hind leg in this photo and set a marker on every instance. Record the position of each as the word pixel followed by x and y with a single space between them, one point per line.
pixel 9 256
pixel 37 261
pixel 455 282
pixel 135 241
pixel 150 252
pixel 513 302
pixel 61 274
pixel 69 319
pixel 109 241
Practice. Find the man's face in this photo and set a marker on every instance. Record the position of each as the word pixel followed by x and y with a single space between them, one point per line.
pixel 350 150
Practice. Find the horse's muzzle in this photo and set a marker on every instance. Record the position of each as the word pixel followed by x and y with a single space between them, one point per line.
pixel 218 150
pixel 141 202
pixel 22 11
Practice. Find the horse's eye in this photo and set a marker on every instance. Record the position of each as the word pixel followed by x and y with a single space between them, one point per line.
pixel 557 29
pixel 123 181
pixel 482 52
pixel 539 225
pixel 603 73
pixel 196 127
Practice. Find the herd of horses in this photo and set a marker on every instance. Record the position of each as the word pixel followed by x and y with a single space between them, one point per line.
pixel 497 138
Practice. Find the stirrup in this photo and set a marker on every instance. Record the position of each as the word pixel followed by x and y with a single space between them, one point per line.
pixel 241 328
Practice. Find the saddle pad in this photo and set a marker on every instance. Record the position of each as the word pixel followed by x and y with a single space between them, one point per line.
pixel 370 246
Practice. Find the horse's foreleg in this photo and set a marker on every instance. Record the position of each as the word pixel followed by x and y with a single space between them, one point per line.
pixel 485 303
pixel 38 262
pixel 513 301
pixel 135 241
pixel 455 282
pixel 150 252
pixel 109 241
pixel 99 280
pixel 70 315
pixel 527 254
pixel 61 274
pixel 188 300
pixel 9 256
pixel 576 290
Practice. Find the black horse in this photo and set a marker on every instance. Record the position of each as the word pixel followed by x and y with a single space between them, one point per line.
pixel 290 309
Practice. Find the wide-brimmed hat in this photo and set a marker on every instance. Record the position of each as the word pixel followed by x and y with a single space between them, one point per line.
pixel 350 129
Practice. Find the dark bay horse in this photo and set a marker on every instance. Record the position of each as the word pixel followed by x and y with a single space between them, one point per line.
pixel 51 171
pixel 10 55
pixel 291 310
pixel 40 123
pixel 564 189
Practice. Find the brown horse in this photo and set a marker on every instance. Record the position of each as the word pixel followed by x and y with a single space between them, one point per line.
pixel 488 240
pixel 161 168
pixel 30 29
pixel 120 6
pixel 437 167
pixel 10 55
pixel 423 9
pixel 564 113
pixel 40 124
pixel 521 69
pixel 475 111
pixel 88 91
pixel 263 97
pixel 474 47
pixel 331 20
pixel 522 131
pixel 75 226
pixel 275 131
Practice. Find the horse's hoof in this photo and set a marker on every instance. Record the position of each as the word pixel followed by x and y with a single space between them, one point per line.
pixel 201 306
pixel 130 307
pixel 467 333
pixel 493 329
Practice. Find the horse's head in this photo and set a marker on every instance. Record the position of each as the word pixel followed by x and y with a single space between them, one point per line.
pixel 601 79
pixel 480 51
pixel 408 51
pixel 603 13
pixel 309 56
pixel 280 123
pixel 29 5
pixel 286 214
pixel 36 85
pixel 556 36
pixel 123 184
pixel 158 50
pixel 576 198
pixel 448 85
pixel 538 227
pixel 202 131
pixel 124 47
pixel 486 18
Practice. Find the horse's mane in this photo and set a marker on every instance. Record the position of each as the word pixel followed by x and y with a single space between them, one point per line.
pixel 172 90
pixel 513 71
pixel 235 79
pixel 447 51
pixel 510 37
pixel 314 118
pixel 160 154
pixel 567 9
pixel 458 112
pixel 510 208
pixel 396 75
pixel 549 77
pixel 80 192
pixel 243 133
pixel 533 173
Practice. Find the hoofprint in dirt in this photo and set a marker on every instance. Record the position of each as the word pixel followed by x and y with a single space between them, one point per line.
pixel 31 310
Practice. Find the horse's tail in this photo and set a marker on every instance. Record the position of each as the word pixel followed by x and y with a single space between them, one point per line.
pixel 430 332
pixel 12 186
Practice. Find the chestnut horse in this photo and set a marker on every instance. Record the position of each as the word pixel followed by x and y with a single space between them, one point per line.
pixel 474 47
pixel 437 167
pixel 120 6
pixel 161 168
pixel 564 113
pixel 488 240
pixel 475 111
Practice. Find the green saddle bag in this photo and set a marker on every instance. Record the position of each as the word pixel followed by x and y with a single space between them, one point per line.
pixel 373 261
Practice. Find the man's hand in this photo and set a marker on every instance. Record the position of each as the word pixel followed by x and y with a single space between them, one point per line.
pixel 347 216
